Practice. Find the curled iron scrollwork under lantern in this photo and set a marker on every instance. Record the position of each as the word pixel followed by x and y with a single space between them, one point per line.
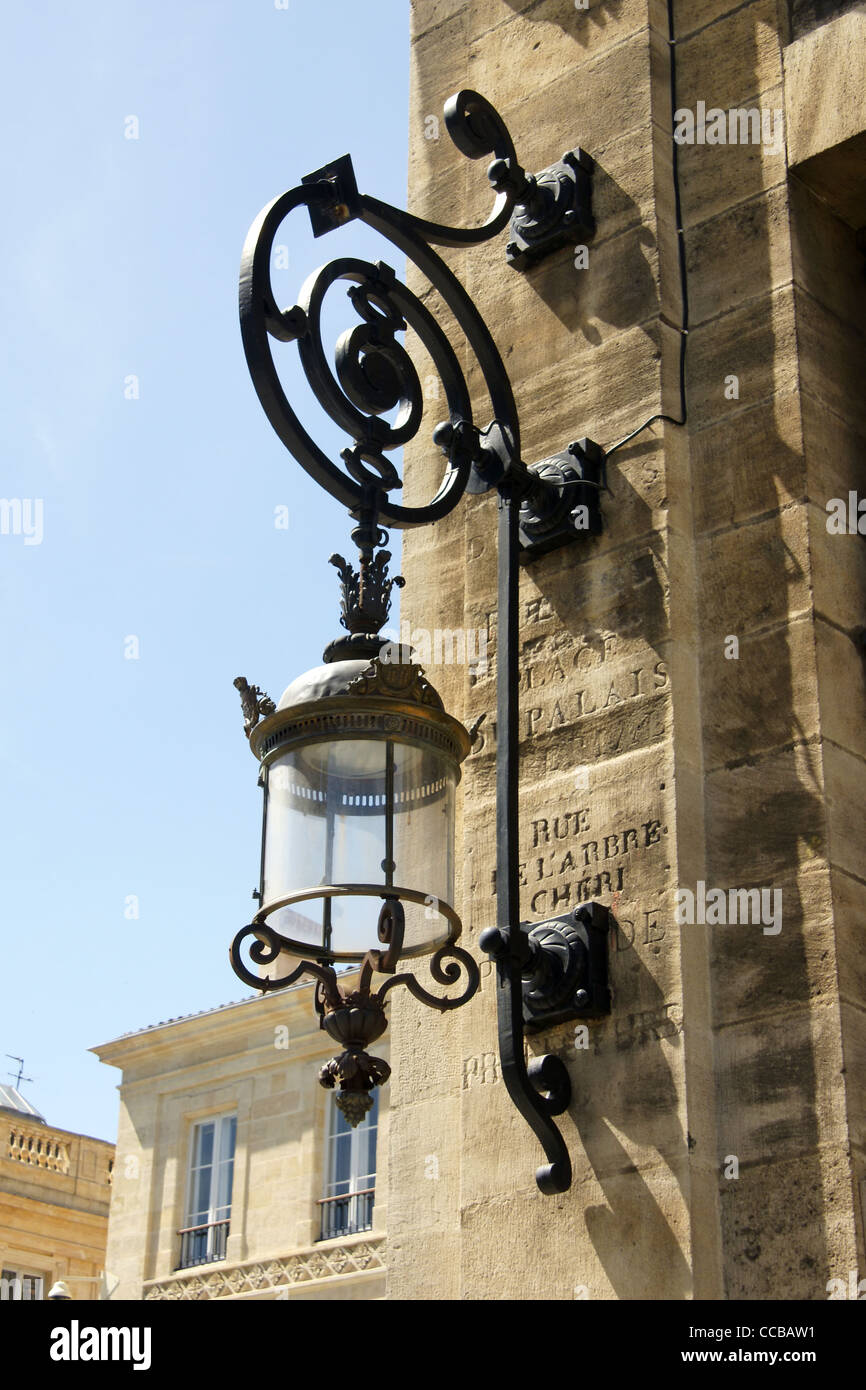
pixel 359 760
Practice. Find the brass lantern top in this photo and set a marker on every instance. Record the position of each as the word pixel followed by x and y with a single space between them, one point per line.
pixel 360 699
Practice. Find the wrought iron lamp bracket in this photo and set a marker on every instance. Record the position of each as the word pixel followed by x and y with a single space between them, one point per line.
pixel 547 974
pixel 374 373
pixel 552 503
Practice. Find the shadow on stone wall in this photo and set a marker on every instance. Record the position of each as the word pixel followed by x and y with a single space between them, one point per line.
pixel 763 801
pixel 624 1090
pixel 581 22
pixel 619 289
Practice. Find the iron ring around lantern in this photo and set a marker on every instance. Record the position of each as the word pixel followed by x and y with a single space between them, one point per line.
pixel 358 890
pixel 270 944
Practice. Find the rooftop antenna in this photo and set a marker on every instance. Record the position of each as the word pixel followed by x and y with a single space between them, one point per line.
pixel 21 1077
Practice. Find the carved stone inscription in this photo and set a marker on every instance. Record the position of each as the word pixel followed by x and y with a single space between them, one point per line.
pixel 568 863
pixel 565 680
pixel 620 1034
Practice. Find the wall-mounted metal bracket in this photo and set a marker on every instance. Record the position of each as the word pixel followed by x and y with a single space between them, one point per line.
pixel 540 507
pixel 555 209
pixel 546 974
pixel 566 977
pixel 343 205
pixel 571 508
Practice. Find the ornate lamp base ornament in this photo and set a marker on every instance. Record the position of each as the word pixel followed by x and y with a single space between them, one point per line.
pixel 358 1018
pixel 357 1023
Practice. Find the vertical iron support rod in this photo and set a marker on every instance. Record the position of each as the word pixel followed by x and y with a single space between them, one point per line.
pixel 510 947
pixel 508 733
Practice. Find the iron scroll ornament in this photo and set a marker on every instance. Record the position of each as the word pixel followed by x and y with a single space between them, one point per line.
pixel 268 945
pixel 357 1018
pixel 374 375
pixel 374 372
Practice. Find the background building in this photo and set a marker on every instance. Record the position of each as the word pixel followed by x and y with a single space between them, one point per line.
pixel 54 1197
pixel 237 1176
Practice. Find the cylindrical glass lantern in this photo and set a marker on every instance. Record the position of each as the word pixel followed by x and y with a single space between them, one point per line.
pixel 360 766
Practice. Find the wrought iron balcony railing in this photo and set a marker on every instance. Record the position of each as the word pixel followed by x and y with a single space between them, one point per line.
pixel 346 1215
pixel 201 1245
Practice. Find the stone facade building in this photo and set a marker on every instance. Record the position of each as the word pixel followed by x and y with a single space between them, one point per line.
pixel 235 1178
pixel 54 1197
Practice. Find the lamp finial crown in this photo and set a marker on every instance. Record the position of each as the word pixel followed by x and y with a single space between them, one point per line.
pixel 365 603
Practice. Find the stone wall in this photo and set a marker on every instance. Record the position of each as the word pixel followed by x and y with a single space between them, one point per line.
pixel 692 699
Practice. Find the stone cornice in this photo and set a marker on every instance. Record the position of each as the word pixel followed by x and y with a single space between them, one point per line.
pixel 164 1038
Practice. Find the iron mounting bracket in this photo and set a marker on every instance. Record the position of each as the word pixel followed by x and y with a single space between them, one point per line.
pixel 566 977
pixel 555 209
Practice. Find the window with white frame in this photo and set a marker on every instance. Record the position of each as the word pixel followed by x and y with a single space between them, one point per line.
pixel 21 1285
pixel 209 1191
pixel 350 1173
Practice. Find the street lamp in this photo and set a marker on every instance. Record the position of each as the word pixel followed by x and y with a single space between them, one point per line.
pixel 359 768
pixel 359 760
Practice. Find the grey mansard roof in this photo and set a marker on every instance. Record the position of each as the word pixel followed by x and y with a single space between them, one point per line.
pixel 11 1099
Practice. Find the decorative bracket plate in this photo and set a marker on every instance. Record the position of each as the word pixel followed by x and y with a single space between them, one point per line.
pixel 567 977
pixel 568 509
pixel 554 210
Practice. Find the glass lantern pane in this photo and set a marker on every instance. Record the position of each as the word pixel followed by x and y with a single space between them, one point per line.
pixel 359 811
pixel 424 797
pixel 358 778
pixel 295 827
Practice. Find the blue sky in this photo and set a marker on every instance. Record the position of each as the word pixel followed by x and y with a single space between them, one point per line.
pixel 125 777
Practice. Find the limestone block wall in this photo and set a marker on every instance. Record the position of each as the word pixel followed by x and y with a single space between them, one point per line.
pixel 714 1113
pixel 827 158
